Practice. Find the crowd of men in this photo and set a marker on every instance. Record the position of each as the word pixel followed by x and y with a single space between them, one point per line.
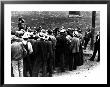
pixel 40 52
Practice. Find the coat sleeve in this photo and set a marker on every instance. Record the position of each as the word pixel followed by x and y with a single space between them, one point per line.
pixel 50 49
pixel 30 48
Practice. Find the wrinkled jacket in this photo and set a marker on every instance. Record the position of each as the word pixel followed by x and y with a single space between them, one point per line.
pixel 61 44
pixel 53 40
pixel 43 55
pixel 16 51
pixel 75 43
pixel 32 41
pixel 42 50
pixel 69 38
pixel 29 46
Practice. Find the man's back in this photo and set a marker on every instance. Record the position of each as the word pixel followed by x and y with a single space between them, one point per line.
pixel 75 43
pixel 40 50
pixel 16 50
pixel 61 41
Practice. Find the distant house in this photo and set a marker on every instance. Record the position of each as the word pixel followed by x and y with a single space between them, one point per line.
pixel 74 14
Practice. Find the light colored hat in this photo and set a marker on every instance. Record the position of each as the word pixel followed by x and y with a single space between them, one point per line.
pixel 46 37
pixel 62 31
pixel 23 30
pixel 69 28
pixel 43 31
pixel 62 27
pixel 76 29
pixel 31 34
pixel 41 34
pixel 75 33
pixel 13 37
pixel 25 35
pixel 42 38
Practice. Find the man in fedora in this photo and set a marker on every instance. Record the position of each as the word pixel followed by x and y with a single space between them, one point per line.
pixel 75 43
pixel 61 46
pixel 96 48
pixel 42 52
pixel 26 60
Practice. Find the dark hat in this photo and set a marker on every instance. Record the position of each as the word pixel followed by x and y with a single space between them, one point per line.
pixel 49 31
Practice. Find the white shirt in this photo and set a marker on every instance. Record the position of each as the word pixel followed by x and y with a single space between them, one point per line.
pixel 29 46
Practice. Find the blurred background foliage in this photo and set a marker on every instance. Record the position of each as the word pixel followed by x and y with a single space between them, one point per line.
pixel 53 19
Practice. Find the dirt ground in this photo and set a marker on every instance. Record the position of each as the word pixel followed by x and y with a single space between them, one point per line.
pixel 83 70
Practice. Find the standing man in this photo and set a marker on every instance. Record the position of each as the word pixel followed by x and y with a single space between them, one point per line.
pixel 42 54
pixel 17 59
pixel 80 48
pixel 61 49
pixel 21 23
pixel 75 43
pixel 96 48
pixel 50 58
pixel 86 38
pixel 26 60
pixel 53 40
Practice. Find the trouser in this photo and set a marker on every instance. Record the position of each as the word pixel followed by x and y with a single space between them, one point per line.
pixel 86 42
pixel 12 75
pixel 80 59
pixel 71 61
pixel 27 67
pixel 96 48
pixel 36 69
pixel 57 58
pixel 44 68
pixel 75 60
pixel 62 61
pixel 67 57
pixel 17 66
pixel 50 66
pixel 39 65
pixel 81 55
pixel 53 60
pixel 31 60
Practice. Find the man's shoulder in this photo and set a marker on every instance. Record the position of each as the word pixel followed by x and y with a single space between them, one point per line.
pixel 75 38
pixel 16 43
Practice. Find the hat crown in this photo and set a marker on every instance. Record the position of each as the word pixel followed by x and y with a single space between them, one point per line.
pixel 62 30
pixel 26 35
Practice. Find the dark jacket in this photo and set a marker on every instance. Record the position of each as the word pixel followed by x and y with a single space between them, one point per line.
pixel 43 54
pixel 61 44
pixel 97 42
pixel 75 44
pixel 42 50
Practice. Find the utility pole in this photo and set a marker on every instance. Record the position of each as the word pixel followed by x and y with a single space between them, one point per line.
pixel 93 29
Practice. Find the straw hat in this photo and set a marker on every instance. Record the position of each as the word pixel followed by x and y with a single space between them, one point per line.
pixel 62 31
pixel 25 35
pixel 75 33
pixel 75 29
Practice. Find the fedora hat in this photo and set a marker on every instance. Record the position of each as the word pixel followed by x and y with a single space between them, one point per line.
pixel 62 31
pixel 25 36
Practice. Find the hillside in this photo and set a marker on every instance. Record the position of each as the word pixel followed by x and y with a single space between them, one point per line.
pixel 53 19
